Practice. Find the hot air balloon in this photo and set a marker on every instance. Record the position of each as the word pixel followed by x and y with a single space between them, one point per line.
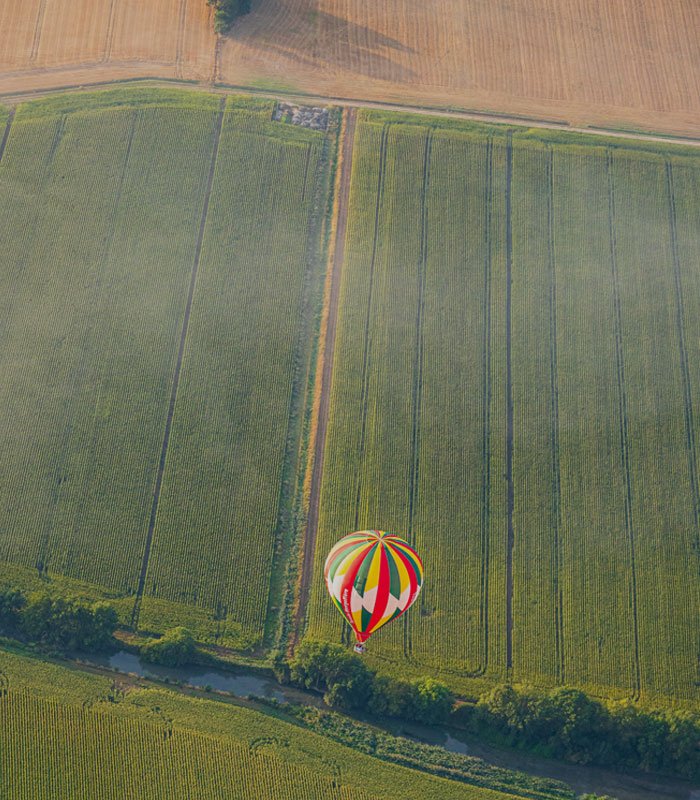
pixel 373 577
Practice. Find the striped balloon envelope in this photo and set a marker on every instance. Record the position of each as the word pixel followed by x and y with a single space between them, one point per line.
pixel 373 577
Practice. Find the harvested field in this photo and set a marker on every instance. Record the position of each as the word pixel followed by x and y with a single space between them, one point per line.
pixel 620 64
pixel 170 38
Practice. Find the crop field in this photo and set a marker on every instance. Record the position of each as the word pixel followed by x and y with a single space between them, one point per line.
pixel 623 64
pixel 66 734
pixel 172 37
pixel 515 389
pixel 161 267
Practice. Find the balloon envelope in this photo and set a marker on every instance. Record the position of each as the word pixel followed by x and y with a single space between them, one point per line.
pixel 373 577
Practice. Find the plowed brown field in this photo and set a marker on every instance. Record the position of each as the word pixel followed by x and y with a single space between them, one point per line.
pixel 622 63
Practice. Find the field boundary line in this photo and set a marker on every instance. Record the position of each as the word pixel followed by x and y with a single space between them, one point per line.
pixel 109 37
pixel 221 87
pixel 683 352
pixel 554 432
pixel 178 366
pixel 418 366
pixel 326 357
pixel 306 172
pixel 366 354
pixel 510 491
pixel 180 41
pixel 623 421
pixel 485 516
pixel 6 133
pixel 38 27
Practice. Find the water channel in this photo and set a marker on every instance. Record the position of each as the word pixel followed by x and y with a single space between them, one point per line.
pixel 242 683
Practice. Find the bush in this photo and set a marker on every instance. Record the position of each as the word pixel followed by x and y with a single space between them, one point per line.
pixel 57 622
pixel 343 677
pixel 391 698
pixel 431 701
pixel 566 723
pixel 226 11
pixel 348 683
pixel 12 601
pixel 174 649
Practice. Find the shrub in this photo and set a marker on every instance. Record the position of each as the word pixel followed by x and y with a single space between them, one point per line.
pixel 174 649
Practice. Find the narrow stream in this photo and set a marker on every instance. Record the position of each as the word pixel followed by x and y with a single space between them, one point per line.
pixel 619 785
pixel 238 683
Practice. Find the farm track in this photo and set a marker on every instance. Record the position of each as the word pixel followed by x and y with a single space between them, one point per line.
pixel 623 423
pixel 113 78
pixel 554 394
pixel 683 353
pixel 510 490
pixel 178 368
pixel 368 319
pixel 326 376
pixel 418 366
pixel 299 392
pixel 486 418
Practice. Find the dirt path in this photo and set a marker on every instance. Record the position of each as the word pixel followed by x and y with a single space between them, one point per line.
pixel 82 78
pixel 343 190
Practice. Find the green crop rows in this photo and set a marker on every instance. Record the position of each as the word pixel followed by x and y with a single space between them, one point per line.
pixel 516 383
pixel 67 734
pixel 517 389
pixel 160 267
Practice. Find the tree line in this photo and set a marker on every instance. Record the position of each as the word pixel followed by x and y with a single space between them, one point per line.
pixel 57 622
pixel 226 12
pixel 561 723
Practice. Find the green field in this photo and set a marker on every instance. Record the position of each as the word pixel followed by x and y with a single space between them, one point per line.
pixel 69 734
pixel 516 388
pixel 161 275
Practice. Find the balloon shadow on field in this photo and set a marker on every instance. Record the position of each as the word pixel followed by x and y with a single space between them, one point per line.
pixel 321 41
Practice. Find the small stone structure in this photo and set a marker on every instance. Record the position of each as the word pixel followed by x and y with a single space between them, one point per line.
pixel 306 116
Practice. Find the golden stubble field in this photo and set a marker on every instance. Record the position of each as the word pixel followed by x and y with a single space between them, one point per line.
pixel 627 63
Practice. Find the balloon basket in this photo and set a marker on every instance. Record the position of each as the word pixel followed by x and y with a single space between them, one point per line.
pixel 359 648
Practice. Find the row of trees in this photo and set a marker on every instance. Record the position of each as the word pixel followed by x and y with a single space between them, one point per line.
pixel 226 11
pixel 561 723
pixel 348 683
pixel 57 622
pixel 566 723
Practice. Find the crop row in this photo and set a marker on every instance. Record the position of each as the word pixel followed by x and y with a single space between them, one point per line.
pixel 219 511
pixel 52 750
pixel 595 346
pixel 65 732
pixel 108 211
pixel 94 299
